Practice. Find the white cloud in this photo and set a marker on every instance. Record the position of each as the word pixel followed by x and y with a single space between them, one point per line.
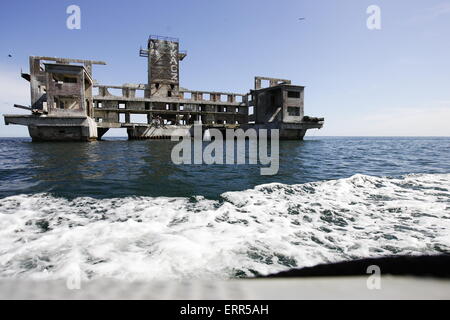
pixel 432 13
pixel 439 10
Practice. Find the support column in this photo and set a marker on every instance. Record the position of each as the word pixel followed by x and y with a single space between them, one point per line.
pixel 257 84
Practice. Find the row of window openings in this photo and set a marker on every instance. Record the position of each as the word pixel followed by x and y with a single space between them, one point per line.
pixel 293 111
pixel 290 94
pixel 147 107
pixel 207 97
pixel 65 80
pixel 294 94
pixel 204 96
pixel 63 104
pixel 139 93
pixel 186 95
pixel 138 119
pixel 265 83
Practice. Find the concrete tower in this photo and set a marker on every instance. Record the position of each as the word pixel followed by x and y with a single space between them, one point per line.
pixel 164 59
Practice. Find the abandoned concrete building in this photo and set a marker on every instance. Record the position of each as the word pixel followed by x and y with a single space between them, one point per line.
pixel 64 107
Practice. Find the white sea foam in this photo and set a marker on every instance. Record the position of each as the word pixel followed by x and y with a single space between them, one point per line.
pixel 264 230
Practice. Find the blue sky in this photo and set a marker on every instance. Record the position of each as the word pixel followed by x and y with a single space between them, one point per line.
pixel 393 81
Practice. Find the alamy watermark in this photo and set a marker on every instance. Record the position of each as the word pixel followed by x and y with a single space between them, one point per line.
pixel 188 152
pixel 374 19
pixel 374 280
pixel 73 280
pixel 73 21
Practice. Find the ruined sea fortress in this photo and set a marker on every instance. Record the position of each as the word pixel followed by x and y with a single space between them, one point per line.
pixel 64 107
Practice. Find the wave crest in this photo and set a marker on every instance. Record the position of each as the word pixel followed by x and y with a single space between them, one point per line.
pixel 264 230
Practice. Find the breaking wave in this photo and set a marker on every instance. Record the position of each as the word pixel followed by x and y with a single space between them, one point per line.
pixel 270 228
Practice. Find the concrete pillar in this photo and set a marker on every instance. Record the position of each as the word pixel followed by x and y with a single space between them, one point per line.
pixel 257 84
pixel 88 67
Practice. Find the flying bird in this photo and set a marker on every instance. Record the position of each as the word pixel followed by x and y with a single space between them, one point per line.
pixel 9 56
pixel 301 19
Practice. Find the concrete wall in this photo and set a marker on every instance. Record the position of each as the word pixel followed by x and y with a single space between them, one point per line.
pixel 160 100
pixel 165 132
pixel 281 103
pixel 52 128
pixel 293 107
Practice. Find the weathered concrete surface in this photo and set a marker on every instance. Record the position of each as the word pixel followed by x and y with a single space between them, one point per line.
pixel 286 131
pixel 63 90
pixel 152 132
pixel 52 128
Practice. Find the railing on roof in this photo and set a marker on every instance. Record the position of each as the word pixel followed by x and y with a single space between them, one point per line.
pixel 156 37
pixel 143 52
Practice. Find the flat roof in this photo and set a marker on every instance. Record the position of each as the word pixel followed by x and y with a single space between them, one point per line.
pixel 279 86
pixel 69 66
